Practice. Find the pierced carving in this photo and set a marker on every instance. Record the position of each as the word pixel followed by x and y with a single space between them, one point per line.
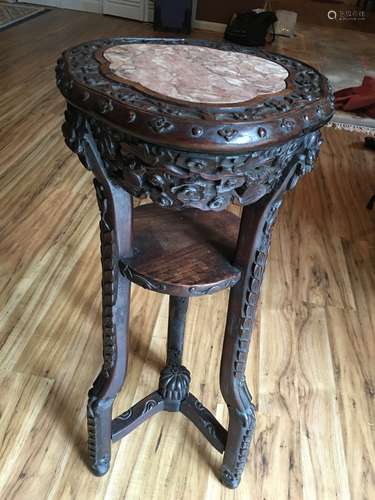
pixel 73 130
pixel 182 179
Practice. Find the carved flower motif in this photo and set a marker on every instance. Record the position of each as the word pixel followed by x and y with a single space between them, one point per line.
pixel 105 106
pixel 230 183
pixel 163 200
pixel 218 202
pixel 188 193
pixel 228 133
pixel 197 164
pixel 287 124
pixel 157 180
pixel 161 125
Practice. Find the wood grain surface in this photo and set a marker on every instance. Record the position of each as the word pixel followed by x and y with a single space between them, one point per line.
pixel 183 253
pixel 311 367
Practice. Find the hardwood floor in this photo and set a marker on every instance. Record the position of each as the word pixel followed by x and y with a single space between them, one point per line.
pixel 311 369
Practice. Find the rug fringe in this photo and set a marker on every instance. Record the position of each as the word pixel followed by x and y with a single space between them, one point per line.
pixel 350 127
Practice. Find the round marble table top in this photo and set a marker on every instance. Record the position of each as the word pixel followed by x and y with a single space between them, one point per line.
pixel 195 74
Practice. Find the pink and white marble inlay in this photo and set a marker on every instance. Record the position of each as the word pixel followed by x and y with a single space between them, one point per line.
pixel 196 74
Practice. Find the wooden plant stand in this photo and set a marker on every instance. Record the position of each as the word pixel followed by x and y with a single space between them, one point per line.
pixel 192 159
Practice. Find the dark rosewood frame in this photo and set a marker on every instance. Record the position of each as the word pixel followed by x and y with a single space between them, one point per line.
pixel 208 177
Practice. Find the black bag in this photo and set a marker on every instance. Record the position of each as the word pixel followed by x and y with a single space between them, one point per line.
pixel 250 28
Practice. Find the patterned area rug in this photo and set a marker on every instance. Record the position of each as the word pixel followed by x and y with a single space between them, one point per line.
pixel 13 13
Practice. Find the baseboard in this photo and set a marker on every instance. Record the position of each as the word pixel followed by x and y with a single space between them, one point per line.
pixel 208 26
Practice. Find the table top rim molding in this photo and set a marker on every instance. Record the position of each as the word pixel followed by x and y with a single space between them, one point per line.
pixel 303 107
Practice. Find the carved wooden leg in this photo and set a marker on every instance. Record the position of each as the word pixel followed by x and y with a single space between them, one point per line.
pixel 115 234
pixel 251 255
pixel 175 378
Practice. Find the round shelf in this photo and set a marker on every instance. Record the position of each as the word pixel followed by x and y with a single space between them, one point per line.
pixel 183 253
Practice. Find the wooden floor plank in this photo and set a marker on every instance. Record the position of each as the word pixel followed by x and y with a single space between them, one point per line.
pixel 323 461
pixel 23 399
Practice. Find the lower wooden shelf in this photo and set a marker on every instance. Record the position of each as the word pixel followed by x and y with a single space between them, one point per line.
pixel 183 253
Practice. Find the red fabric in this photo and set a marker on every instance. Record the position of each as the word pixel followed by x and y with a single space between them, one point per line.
pixel 360 98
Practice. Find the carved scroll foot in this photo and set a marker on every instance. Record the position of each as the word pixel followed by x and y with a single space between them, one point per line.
pixel 115 207
pixel 99 421
pixel 240 433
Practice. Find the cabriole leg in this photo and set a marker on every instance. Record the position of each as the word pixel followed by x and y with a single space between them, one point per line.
pixel 115 234
pixel 251 255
